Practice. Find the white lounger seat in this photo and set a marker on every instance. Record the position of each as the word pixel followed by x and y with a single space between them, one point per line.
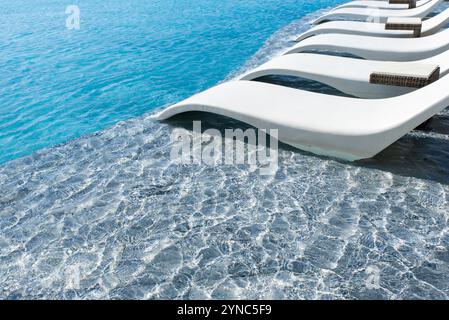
pixel 379 4
pixel 346 128
pixel 356 77
pixel 378 15
pixel 377 48
pixel 429 27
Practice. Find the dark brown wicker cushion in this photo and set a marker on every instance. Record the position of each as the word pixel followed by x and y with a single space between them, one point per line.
pixel 413 24
pixel 402 80
pixel 411 3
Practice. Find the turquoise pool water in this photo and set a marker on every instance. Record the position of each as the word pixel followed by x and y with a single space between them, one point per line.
pixel 128 57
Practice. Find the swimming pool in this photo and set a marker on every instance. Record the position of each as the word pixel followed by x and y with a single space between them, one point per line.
pixel 109 215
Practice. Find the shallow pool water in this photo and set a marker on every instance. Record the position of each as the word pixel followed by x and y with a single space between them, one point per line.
pixel 110 216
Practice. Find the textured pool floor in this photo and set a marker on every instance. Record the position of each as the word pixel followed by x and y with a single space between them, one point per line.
pixel 110 216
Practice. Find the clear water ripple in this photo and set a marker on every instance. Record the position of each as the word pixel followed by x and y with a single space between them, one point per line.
pixel 97 207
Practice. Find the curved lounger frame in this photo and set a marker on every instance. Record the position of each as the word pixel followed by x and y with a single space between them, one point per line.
pixel 377 48
pixel 378 15
pixel 429 27
pixel 378 4
pixel 346 128
pixel 351 76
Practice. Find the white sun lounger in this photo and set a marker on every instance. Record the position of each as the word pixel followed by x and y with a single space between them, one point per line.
pixel 379 4
pixel 378 15
pixel 377 48
pixel 346 128
pixel 429 27
pixel 359 78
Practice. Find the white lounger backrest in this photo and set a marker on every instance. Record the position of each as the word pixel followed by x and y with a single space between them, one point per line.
pixel 431 99
pixel 429 27
pixel 375 3
pixel 438 41
pixel 342 127
pixel 362 13
pixel 425 8
pixel 442 60
pixel 377 48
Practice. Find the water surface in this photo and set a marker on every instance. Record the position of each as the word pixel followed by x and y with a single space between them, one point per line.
pixel 128 58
